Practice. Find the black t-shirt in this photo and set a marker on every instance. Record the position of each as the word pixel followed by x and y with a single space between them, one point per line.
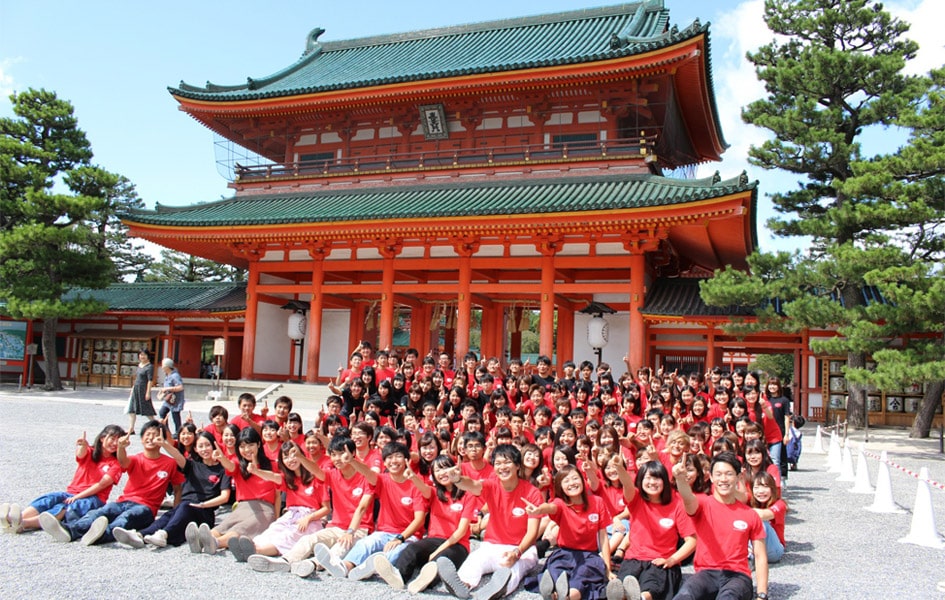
pixel 203 482
pixel 545 382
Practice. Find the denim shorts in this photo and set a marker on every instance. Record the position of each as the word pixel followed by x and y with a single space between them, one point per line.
pixel 55 503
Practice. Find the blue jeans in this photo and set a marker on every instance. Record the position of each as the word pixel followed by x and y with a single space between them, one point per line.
pixel 774 450
pixel 127 515
pixel 773 545
pixel 372 544
pixel 175 521
pixel 55 503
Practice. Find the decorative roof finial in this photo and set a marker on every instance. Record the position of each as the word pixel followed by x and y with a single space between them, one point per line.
pixel 311 40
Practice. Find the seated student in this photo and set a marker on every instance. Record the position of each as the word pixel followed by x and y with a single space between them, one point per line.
pixel 580 566
pixel 724 529
pixel 218 421
pixel 507 549
pixel 206 487
pixel 399 521
pixel 651 568
pixel 255 496
pixel 96 473
pixel 248 418
pixel 149 474
pixel 351 500
pixel 767 502
pixel 306 502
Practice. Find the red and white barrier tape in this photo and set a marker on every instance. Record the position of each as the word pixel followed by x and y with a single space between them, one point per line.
pixel 904 470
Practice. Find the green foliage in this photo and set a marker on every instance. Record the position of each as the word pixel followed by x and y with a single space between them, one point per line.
pixel 779 365
pixel 837 68
pixel 53 241
pixel 177 266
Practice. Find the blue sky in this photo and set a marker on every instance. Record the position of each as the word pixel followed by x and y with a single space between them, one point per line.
pixel 114 61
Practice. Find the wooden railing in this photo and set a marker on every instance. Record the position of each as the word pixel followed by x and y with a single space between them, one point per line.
pixel 456 158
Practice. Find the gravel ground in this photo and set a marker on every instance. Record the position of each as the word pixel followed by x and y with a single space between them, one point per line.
pixel 836 549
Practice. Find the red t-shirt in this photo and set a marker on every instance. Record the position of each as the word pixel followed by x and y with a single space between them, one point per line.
pixel 345 496
pixel 251 488
pixel 508 522
pixel 242 423
pixel 779 508
pixel 723 532
pixel 217 435
pixel 445 516
pixel 88 473
pixel 399 502
pixel 373 460
pixel 472 472
pixel 613 498
pixel 148 479
pixel 579 524
pixel 657 527
pixel 312 495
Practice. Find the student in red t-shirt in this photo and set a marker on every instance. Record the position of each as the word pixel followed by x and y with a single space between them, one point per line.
pixel 507 550
pixel 247 418
pixel 767 502
pixel 97 471
pixel 580 567
pixel 475 465
pixel 651 563
pixel 255 496
pixel 149 474
pixel 351 500
pixel 399 521
pixel 724 528
pixel 218 421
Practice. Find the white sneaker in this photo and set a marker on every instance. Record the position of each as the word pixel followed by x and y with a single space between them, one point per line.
pixel 128 537
pixel 330 562
pixel 53 527
pixel 423 580
pixel 388 572
pixel 96 531
pixel 632 587
pixel 267 564
pixel 495 588
pixel 208 543
pixel 4 517
pixel 447 572
pixel 365 569
pixel 302 568
pixel 157 539
pixel 192 535
pixel 15 517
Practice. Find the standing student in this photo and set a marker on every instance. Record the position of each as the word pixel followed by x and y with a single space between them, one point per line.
pixel 206 487
pixel 139 400
pixel 651 568
pixel 580 567
pixel 97 471
pixel 171 394
pixel 149 474
pixel 724 528
pixel 507 550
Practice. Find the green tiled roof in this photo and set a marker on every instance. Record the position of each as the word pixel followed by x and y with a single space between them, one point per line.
pixel 172 296
pixel 448 200
pixel 675 297
pixel 546 40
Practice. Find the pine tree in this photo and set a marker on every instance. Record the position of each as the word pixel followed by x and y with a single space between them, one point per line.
pixel 178 266
pixel 50 241
pixel 836 69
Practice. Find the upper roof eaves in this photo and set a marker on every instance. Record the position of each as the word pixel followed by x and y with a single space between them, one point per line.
pixel 546 40
pixel 168 296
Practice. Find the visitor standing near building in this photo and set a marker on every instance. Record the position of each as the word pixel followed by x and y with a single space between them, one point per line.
pixel 139 401
pixel 171 394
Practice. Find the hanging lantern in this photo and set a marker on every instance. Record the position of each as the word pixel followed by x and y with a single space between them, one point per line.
pixel 297 326
pixel 597 332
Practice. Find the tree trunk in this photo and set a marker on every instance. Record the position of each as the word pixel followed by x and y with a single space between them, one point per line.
pixel 53 382
pixel 922 425
pixel 857 403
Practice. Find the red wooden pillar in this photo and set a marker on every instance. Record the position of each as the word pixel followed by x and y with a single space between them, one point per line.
pixel 515 341
pixel 547 246
pixel 637 353
pixel 465 248
pixel 389 249
pixel 565 336
pixel 249 328
pixel 315 315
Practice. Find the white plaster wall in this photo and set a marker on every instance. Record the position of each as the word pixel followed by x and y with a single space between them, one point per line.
pixel 335 342
pixel 618 344
pixel 272 341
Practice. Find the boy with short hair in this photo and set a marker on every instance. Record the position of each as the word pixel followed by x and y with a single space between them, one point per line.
pixel 149 474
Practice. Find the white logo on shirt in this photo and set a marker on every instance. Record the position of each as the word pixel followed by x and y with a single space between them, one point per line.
pixel 406 500
pixel 162 474
pixel 666 523
pixel 518 511
pixel 357 492
pixel 593 517
pixel 309 490
pixel 740 525
pixel 620 502
pixel 105 468
pixel 456 507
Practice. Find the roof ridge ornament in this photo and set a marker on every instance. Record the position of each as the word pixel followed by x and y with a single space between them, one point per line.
pixel 311 41
pixel 630 33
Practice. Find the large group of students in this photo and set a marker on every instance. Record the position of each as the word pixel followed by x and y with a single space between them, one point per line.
pixel 577 485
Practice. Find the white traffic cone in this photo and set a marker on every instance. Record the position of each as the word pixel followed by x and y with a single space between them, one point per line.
pixel 862 485
pixel 830 444
pixel 834 456
pixel 883 500
pixel 846 465
pixel 818 446
pixel 923 532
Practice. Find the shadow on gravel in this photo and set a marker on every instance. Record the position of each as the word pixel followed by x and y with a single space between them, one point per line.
pixel 782 590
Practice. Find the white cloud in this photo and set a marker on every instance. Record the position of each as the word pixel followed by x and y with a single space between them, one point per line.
pixel 6 79
pixel 925 18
